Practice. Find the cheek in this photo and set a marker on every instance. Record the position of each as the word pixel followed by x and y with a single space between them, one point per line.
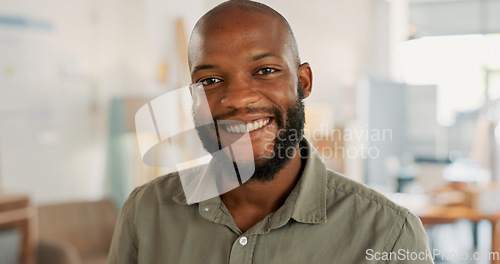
pixel 281 99
pixel 204 107
pixel 282 91
pixel 213 101
pixel 201 114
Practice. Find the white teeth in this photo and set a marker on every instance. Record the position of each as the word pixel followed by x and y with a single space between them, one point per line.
pixel 248 127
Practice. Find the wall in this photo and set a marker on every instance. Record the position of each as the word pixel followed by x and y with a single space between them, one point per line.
pixel 441 18
pixel 50 133
pixel 53 139
pixel 53 134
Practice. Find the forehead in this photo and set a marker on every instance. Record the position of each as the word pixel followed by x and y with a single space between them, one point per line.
pixel 238 31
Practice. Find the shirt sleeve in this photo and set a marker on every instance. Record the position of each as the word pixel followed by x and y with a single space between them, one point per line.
pixel 411 245
pixel 123 248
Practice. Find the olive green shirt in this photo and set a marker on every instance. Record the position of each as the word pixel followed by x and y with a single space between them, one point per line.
pixel 327 218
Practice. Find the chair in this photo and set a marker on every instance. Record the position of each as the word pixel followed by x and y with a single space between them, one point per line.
pixel 75 233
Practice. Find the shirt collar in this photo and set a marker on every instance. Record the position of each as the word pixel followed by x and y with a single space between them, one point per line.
pixel 306 203
pixel 310 203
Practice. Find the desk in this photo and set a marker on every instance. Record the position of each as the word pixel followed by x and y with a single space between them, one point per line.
pixel 433 215
pixel 16 212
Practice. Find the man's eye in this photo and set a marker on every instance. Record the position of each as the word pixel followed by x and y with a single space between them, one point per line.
pixel 209 81
pixel 266 71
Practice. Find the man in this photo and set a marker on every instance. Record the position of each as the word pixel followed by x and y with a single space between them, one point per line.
pixel 292 210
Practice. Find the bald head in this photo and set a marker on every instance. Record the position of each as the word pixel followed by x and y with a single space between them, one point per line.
pixel 213 20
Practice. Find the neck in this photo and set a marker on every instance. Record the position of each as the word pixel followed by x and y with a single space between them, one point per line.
pixel 265 197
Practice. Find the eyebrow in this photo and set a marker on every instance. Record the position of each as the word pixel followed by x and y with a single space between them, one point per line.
pixel 203 67
pixel 255 58
pixel 264 55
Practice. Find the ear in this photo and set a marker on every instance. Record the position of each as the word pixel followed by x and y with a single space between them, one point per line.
pixel 304 74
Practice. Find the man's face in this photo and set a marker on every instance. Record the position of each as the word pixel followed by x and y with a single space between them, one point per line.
pixel 249 75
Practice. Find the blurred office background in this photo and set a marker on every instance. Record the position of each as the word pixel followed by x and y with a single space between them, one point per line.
pixel 405 99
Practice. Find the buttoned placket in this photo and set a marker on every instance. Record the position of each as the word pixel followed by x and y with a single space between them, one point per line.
pixel 243 247
pixel 244 243
pixel 242 250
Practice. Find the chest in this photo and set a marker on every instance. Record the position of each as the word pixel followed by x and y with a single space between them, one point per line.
pixel 207 242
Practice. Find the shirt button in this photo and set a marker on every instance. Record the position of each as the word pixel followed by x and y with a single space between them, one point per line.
pixel 206 209
pixel 243 241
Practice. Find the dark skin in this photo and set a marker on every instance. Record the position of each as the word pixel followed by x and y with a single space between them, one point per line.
pixel 244 61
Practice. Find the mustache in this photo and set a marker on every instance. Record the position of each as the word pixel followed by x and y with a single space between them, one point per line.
pixel 273 111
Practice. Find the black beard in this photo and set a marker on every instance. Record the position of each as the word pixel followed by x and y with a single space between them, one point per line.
pixel 290 133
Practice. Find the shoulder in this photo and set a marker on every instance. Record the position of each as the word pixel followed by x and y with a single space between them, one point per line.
pixel 166 189
pixel 340 187
pixel 373 214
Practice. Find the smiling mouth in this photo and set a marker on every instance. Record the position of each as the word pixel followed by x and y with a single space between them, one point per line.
pixel 248 126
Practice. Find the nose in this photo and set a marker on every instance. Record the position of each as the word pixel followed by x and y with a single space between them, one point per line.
pixel 239 94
